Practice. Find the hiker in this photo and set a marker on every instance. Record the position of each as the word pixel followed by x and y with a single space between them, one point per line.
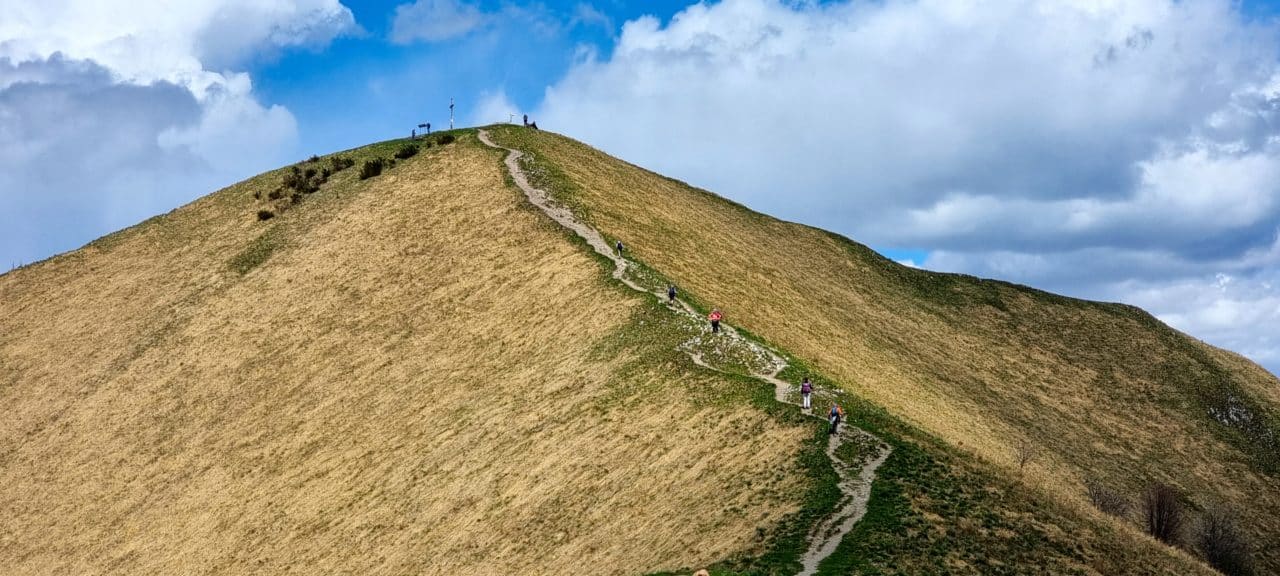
pixel 526 120
pixel 413 134
pixel 671 293
pixel 715 317
pixel 806 393
pixel 533 125
pixel 618 246
pixel 834 417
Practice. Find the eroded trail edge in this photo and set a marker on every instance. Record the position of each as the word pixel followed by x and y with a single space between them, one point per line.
pixel 855 477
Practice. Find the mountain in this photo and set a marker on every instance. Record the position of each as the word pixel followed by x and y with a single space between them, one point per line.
pixel 357 366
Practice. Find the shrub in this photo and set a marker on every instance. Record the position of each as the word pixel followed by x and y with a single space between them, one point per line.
pixel 371 168
pixel 257 194
pixel 1024 453
pixel 1223 543
pixel 266 215
pixel 406 151
pixel 1107 500
pixel 275 194
pixel 1164 514
pixel 341 163
pixel 313 159
pixel 447 139
pixel 310 173
pixel 325 173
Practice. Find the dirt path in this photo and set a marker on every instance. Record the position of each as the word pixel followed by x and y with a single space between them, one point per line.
pixel 855 478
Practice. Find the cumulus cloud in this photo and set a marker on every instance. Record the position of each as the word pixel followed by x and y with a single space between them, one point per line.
pixel 111 112
pixel 1072 144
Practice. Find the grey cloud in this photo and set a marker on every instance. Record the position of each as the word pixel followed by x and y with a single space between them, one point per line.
pixel 82 155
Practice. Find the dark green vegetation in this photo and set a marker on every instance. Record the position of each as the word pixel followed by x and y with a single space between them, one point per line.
pixel 407 151
pixel 372 168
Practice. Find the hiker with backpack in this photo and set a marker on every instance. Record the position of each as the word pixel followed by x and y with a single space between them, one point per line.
pixel 806 394
pixel 618 246
pixel 671 294
pixel 834 417
pixel 715 317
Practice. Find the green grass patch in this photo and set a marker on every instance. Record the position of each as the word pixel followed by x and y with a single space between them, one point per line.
pixel 257 252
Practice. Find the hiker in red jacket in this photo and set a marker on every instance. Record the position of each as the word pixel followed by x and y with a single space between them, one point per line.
pixel 715 317
pixel 806 393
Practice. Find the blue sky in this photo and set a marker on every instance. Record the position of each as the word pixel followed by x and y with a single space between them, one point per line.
pixel 1115 150
pixel 402 85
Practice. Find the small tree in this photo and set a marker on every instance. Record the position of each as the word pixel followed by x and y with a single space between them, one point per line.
pixel 1223 543
pixel 1164 514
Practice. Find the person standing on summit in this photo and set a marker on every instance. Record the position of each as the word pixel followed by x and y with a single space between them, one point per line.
pixel 715 317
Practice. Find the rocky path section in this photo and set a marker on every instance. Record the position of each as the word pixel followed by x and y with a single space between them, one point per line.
pixel 855 477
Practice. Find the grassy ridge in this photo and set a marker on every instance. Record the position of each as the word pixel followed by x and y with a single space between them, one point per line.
pixel 411 373
pixel 985 366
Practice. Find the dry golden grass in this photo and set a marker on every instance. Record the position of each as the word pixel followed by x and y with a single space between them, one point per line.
pixel 1096 389
pixel 411 383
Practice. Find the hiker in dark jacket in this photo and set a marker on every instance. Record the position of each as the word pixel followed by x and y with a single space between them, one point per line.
pixel 618 246
pixel 671 293
pixel 834 417
pixel 806 393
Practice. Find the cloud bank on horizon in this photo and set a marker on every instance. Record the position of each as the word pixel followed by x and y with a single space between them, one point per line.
pixel 114 111
pixel 1120 150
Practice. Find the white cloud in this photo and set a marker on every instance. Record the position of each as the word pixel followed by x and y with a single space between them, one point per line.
pixel 442 20
pixel 585 14
pixel 494 107
pixel 1240 314
pixel 1072 144
pixel 113 111
pixel 434 21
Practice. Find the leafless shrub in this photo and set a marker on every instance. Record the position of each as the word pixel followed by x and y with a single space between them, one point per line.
pixel 1107 500
pixel 1024 454
pixel 1164 514
pixel 1223 543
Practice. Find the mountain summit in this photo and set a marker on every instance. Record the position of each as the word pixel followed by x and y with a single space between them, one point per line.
pixel 389 361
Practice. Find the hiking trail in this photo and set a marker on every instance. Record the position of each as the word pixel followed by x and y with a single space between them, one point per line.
pixel 855 478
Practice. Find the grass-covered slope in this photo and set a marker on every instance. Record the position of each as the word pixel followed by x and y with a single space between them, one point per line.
pixel 1051 390
pixel 413 373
